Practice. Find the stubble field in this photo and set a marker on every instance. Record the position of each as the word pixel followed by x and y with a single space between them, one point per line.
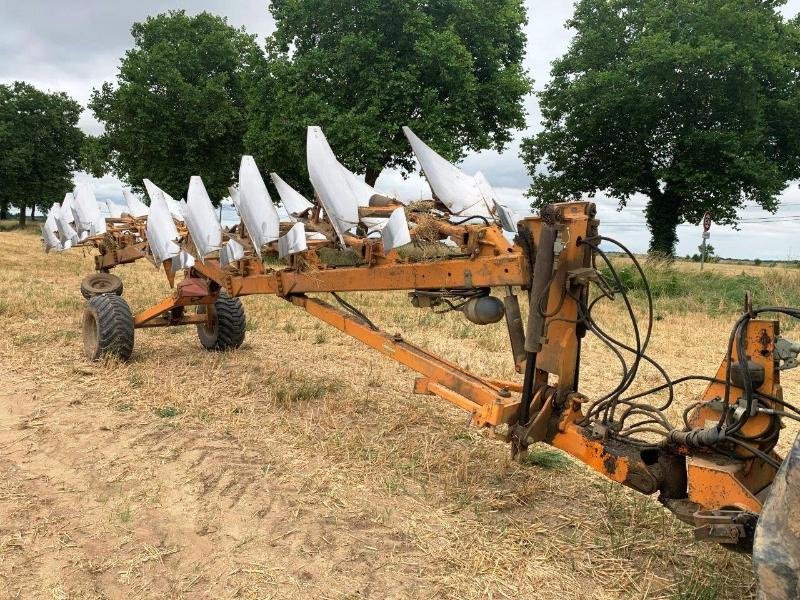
pixel 302 466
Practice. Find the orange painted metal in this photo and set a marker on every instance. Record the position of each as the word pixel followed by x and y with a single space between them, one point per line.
pixel 452 273
pixel 114 256
pixel 144 318
pixel 165 320
pixel 716 483
pixel 560 351
pixel 442 377
pixel 592 453
pixel 487 259
pixel 760 343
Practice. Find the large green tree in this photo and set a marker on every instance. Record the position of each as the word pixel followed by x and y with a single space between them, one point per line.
pixel 178 107
pixel 39 146
pixel 450 69
pixel 694 103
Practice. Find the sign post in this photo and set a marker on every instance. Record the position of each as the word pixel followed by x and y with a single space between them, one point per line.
pixel 706 235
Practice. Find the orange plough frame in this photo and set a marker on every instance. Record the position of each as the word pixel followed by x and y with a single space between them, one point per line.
pixel 701 487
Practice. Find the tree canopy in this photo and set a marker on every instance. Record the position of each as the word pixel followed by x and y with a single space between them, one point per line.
pixel 39 146
pixel 694 104
pixel 450 69
pixel 178 107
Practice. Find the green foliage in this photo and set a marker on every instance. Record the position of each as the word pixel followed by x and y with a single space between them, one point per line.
pixel 707 291
pixel 166 412
pixel 703 581
pixel 450 69
pixel 551 460
pixel 39 146
pixel 95 156
pixel 301 389
pixel 694 104
pixel 178 107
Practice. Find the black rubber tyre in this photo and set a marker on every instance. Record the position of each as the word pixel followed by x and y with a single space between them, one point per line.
pixel 107 328
pixel 226 330
pixel 96 284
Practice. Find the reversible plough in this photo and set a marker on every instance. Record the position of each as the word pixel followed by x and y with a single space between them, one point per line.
pixel 717 469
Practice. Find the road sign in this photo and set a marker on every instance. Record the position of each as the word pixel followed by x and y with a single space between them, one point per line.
pixel 707 221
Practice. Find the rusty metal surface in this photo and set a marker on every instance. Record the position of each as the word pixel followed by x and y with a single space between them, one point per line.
pixel 688 481
pixel 451 381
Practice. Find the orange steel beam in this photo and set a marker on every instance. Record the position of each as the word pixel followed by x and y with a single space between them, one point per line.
pixel 488 404
pixel 143 318
pixel 112 257
pixel 556 414
pixel 163 320
pixel 451 273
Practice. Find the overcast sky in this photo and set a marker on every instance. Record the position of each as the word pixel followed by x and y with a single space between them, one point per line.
pixel 75 46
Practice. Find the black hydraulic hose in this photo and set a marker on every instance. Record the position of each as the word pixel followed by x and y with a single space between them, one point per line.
pixel 467 219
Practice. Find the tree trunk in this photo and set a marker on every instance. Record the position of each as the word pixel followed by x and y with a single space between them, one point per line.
pixel 23 216
pixel 33 212
pixel 372 176
pixel 3 211
pixel 663 214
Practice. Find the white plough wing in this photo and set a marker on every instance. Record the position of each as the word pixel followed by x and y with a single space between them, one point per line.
pixel 258 213
pixel 395 233
pixel 462 194
pixel 64 218
pixel 508 220
pixel 293 242
pixel 114 209
pixel 67 214
pixel 293 201
pixel 235 199
pixel 331 184
pixel 183 260
pixel 49 232
pixel 231 252
pixel 86 210
pixel 162 235
pixel 175 208
pixel 136 208
pixel 340 191
pixel 201 219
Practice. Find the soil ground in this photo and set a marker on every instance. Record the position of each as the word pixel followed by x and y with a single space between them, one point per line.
pixel 302 466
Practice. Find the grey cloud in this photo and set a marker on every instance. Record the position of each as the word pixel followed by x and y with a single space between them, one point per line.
pixel 76 46
pixel 504 169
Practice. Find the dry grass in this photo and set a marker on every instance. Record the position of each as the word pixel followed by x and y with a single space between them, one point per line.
pixel 302 466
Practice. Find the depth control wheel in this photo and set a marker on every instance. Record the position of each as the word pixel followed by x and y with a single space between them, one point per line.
pixel 107 328
pixel 96 284
pixel 224 329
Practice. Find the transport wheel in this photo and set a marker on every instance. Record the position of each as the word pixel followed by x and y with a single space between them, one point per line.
pixel 107 328
pixel 96 284
pixel 225 329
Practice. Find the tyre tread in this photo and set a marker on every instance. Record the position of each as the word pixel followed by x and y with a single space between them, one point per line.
pixel 115 329
pixel 231 325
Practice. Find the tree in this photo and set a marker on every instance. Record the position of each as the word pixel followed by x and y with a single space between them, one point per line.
pixel 178 106
pixel 450 69
pixel 695 104
pixel 711 255
pixel 39 146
